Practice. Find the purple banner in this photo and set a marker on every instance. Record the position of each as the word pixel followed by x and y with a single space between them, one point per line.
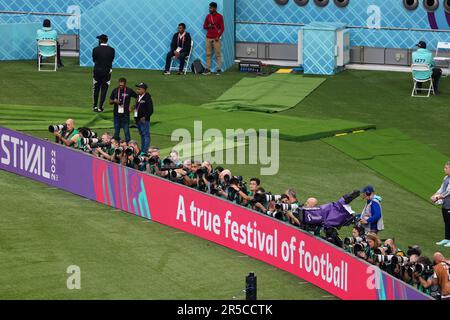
pixel 167 203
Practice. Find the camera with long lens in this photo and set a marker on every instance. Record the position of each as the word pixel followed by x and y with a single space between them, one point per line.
pixel 420 268
pixel 396 259
pixel 118 151
pixel 349 241
pixel 89 141
pixel 332 236
pixel 139 160
pixel 202 171
pixel 216 190
pixel 360 246
pixel 214 176
pixel 87 133
pixel 101 145
pixel 129 151
pixel 154 160
pixel 276 214
pixel 382 258
pixel 266 197
pixel 57 128
pixel 387 249
pixel 287 207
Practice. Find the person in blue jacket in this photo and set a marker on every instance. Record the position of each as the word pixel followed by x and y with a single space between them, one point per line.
pixel 372 215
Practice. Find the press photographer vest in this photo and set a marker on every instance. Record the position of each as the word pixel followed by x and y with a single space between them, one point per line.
pixel 367 212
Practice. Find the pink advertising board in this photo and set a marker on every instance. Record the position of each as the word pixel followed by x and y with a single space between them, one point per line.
pixel 202 215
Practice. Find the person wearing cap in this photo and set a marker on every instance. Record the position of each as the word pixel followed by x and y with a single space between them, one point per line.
pixel 442 197
pixel 103 57
pixel 424 56
pixel 143 110
pixel 372 216
pixel 48 33
pixel 121 99
pixel 215 27
pixel 180 48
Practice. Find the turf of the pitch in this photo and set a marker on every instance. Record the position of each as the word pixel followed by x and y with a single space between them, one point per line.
pixel 43 230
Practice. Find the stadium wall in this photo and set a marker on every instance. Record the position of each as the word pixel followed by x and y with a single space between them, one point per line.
pixel 210 218
pixel 140 31
pixel 374 23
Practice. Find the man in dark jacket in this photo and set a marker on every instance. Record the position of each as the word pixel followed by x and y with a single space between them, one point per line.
pixel 179 48
pixel 103 57
pixel 121 98
pixel 142 113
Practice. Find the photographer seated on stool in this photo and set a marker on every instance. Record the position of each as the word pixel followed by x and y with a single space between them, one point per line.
pixel 179 48
pixel 425 56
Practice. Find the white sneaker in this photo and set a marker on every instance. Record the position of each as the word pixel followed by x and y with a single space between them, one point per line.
pixel 447 245
pixel 443 243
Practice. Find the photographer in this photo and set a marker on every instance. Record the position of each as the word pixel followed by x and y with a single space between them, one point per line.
pixel 110 153
pixel 134 157
pixel 247 195
pixel 154 161
pixel 104 148
pixel 422 276
pixel 441 276
pixel 190 178
pixel 67 134
pixel 368 254
pixel 392 248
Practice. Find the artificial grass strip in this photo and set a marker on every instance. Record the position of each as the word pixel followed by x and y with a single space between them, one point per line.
pixel 275 93
pixel 198 149
pixel 414 166
pixel 291 128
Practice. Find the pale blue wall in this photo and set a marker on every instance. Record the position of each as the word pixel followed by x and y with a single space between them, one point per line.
pixel 139 30
pixel 357 14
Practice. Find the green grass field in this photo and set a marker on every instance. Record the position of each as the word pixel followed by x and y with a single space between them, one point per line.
pixel 44 230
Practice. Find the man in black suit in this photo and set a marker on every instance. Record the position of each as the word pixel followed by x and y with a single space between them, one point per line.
pixel 179 48
pixel 103 57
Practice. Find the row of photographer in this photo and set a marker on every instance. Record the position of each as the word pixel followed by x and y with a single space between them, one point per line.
pixel 199 175
pixel 430 277
pixel 326 219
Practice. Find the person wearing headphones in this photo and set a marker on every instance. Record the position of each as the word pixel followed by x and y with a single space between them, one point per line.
pixel 372 216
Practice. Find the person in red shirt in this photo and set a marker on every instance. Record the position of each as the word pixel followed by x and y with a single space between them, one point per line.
pixel 215 27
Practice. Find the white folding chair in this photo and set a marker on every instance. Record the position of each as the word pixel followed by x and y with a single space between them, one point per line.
pixel 52 47
pixel 422 68
pixel 441 60
pixel 187 61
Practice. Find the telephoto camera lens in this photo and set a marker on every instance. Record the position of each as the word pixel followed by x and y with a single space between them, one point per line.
pixel 129 151
pixel 57 127
pixel 118 151
pixel 286 207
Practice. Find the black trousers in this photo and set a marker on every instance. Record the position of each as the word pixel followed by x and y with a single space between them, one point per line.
pixel 58 55
pixel 446 216
pixel 436 77
pixel 102 80
pixel 169 57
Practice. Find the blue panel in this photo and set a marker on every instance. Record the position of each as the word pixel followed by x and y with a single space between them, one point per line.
pixel 318 51
pixel 359 13
pixel 18 41
pixel 141 31
pixel 64 25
